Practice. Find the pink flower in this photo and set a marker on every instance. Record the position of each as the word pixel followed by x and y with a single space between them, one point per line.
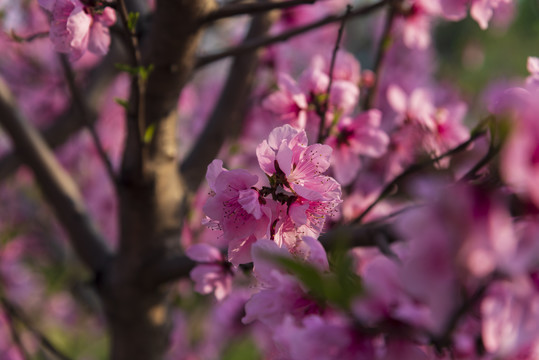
pixel 295 170
pixel 313 338
pixel 289 102
pixel 344 92
pixel 281 293
pixel 533 67
pixel 482 10
pixel 520 154
pixel 213 274
pixel 509 320
pixel 236 208
pixel 416 107
pixel 360 136
pixel 76 27
pixel 296 166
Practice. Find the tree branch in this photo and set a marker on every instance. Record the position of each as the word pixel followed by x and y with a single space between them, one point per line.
pixel 383 47
pixel 16 337
pixel 83 112
pixel 57 186
pixel 30 38
pixel 412 169
pixel 230 10
pixel 269 40
pixel 132 165
pixel 69 122
pixel 15 313
pixel 169 270
pixel 322 134
pixel 230 110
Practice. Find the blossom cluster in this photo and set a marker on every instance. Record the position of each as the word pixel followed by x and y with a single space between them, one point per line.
pixel 293 204
pixel 458 278
pixel 357 216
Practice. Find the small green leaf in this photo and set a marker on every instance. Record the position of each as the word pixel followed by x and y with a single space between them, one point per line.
pixel 141 71
pixel 148 135
pixel 321 98
pixel 122 102
pixel 308 274
pixel 132 20
pixel 241 349
pixel 145 72
pixel 126 68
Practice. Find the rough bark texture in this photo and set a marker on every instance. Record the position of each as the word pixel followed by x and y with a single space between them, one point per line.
pixel 152 196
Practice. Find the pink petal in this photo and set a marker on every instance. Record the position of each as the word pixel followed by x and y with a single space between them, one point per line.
pixel 317 254
pixel 397 98
pixel 370 142
pixel 288 84
pixel 280 134
pixel 108 17
pixel 284 158
pixel 266 157
pixel 204 253
pixel 297 213
pixel 78 26
pixel 99 39
pixel 482 12
pixel 248 199
pixel 59 34
pixel 313 80
pixel 214 169
pixel 345 165
pixel 47 4
pixel 344 96
pixel 533 65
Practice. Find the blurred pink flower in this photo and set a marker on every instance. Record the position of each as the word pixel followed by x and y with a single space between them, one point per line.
pixel 77 27
pixel 212 274
pixel 360 136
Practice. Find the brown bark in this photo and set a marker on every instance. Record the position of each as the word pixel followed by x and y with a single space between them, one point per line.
pixel 152 195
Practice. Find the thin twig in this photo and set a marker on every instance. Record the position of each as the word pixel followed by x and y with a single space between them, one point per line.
pixel 29 38
pixel 83 110
pixel 472 173
pixel 230 10
pixel 139 84
pixel 383 47
pixel 17 313
pixel 413 168
pixel 322 135
pixel 269 40
pixel 15 332
pixel 444 340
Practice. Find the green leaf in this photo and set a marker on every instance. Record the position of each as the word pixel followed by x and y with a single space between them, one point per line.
pixel 122 102
pixel 243 349
pixel 338 287
pixel 132 20
pixel 308 274
pixel 127 68
pixel 141 71
pixel 149 133
pixel 145 72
